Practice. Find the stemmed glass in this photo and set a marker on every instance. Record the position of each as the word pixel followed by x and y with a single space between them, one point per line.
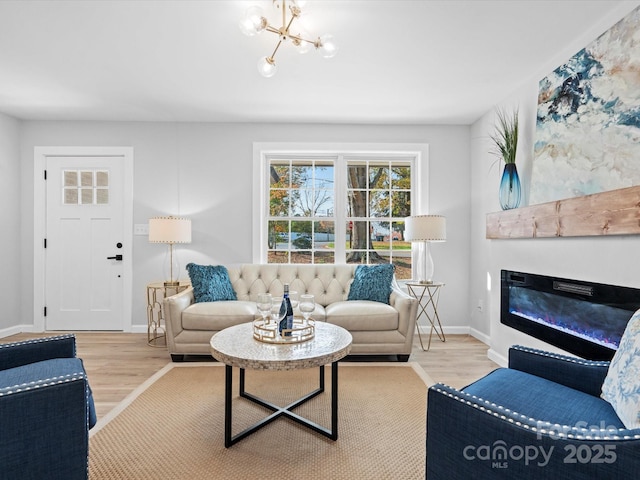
pixel 277 313
pixel 264 305
pixel 307 306
pixel 294 299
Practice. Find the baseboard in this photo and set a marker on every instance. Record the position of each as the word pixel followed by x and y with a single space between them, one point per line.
pixel 447 330
pixel 460 331
pixel 480 336
pixel 456 330
pixel 7 332
pixel 499 359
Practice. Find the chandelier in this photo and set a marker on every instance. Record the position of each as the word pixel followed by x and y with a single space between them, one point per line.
pixel 254 22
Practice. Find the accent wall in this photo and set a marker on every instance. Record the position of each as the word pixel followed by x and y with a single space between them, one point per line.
pixel 613 260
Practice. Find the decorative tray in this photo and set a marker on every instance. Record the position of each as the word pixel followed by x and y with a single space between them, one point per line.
pixel 266 331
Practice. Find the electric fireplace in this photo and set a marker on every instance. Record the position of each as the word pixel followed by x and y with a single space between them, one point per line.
pixel 583 318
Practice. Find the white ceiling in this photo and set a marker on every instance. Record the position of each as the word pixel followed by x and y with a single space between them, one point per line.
pixel 400 62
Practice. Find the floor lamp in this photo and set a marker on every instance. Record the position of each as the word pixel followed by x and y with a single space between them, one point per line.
pixel 170 230
pixel 424 229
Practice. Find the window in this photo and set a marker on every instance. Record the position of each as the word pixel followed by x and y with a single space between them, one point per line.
pixel 336 205
pixel 378 200
pixel 85 187
pixel 301 225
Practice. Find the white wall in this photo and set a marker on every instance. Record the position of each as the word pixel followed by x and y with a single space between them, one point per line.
pixel 10 220
pixel 204 171
pixel 613 260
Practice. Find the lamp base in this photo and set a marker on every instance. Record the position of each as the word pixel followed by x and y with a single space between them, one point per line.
pixel 424 265
pixel 172 283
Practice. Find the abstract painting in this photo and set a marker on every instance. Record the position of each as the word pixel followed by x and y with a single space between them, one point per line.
pixel 588 119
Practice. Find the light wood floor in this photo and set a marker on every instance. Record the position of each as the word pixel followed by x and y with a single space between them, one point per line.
pixel 117 363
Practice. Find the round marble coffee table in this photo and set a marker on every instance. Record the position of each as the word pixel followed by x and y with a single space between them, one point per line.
pixel 236 347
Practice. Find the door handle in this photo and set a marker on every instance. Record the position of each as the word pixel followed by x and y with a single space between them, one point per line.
pixel 117 258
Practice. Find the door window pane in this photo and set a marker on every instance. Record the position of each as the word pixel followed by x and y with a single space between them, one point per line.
pixel 86 179
pixel 102 179
pixel 102 196
pixel 86 196
pixel 70 178
pixel 70 196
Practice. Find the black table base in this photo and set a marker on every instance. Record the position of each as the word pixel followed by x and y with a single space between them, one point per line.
pixel 230 439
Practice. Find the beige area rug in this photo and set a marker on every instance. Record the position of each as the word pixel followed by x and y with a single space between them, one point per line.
pixel 172 427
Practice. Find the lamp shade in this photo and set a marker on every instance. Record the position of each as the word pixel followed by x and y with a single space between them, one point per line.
pixel 169 230
pixel 425 228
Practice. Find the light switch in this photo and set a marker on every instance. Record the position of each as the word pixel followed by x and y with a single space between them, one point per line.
pixel 141 229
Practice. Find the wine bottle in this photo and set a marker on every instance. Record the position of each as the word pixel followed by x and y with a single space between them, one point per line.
pixel 285 307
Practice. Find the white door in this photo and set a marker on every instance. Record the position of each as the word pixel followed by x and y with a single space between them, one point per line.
pixel 85 252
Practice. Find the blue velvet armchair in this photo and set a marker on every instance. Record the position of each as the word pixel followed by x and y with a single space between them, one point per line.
pixel 46 410
pixel 541 418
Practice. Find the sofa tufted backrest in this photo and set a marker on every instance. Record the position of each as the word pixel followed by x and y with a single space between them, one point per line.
pixel 328 283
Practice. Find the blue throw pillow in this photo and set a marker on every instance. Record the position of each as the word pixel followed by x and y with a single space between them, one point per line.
pixel 372 282
pixel 210 283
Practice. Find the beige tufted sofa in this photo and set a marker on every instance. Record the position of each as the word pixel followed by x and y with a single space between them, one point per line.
pixel 377 328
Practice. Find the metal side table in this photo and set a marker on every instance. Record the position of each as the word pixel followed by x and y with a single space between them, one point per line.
pixel 156 293
pixel 428 295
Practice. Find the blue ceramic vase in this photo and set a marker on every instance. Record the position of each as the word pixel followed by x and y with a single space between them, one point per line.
pixel 510 187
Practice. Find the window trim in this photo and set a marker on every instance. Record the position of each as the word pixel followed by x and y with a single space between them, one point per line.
pixel 262 151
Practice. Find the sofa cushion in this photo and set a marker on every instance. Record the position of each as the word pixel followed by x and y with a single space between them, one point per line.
pixel 544 400
pixel 372 282
pixel 621 386
pixel 210 283
pixel 214 316
pixel 47 370
pixel 362 315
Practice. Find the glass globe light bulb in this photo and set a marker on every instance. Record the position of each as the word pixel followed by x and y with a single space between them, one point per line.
pixel 301 45
pixel 267 67
pixel 328 47
pixel 253 22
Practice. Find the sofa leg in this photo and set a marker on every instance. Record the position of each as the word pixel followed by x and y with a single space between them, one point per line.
pixel 177 358
pixel 403 358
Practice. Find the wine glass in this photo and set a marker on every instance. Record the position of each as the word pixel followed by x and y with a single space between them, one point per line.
pixel 264 305
pixel 307 306
pixel 277 313
pixel 294 299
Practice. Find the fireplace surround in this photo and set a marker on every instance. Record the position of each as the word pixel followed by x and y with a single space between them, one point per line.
pixel 583 318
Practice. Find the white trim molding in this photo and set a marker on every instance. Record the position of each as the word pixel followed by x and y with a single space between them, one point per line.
pixel 263 151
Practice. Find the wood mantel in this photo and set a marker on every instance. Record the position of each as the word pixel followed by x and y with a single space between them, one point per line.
pixel 616 212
